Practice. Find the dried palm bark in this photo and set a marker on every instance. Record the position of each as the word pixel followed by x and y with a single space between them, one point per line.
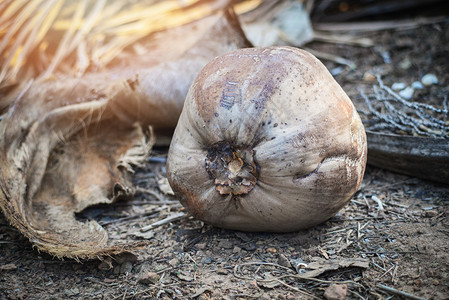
pixel 69 142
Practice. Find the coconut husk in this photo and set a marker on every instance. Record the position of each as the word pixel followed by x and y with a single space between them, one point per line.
pixel 70 141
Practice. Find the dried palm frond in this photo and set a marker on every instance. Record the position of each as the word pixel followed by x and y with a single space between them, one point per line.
pixel 42 38
pixel 84 80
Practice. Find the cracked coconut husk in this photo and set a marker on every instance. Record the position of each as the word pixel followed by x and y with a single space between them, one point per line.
pixel 70 142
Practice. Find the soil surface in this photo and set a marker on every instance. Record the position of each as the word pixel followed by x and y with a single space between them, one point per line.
pixel 392 238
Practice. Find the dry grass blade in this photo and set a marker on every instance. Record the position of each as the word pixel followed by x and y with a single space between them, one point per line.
pixel 28 38
pixel 12 38
pixel 64 45
pixel 70 37
pixel 14 16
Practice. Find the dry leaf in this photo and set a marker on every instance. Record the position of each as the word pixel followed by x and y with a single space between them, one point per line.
pixel 320 266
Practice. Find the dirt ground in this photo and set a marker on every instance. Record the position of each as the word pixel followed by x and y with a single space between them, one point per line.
pixel 393 236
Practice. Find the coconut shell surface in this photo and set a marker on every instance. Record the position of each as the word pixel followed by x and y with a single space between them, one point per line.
pixel 267 141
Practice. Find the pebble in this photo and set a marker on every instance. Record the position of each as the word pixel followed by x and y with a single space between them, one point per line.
pixel 429 79
pixel 431 213
pixel 185 276
pixel 148 277
pixel 71 292
pixel 336 292
pixel 225 244
pixel 207 260
pixel 369 77
pixel 417 85
pixel 407 93
pixel 126 267
pixel 397 86
pixel 174 262
pixel 201 246
pixel 405 64
pixel 222 271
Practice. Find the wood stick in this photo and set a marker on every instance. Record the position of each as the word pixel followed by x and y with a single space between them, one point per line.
pixel 398 292
pixel 375 26
pixel 171 218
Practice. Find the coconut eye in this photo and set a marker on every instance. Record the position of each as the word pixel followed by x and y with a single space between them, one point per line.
pixel 293 155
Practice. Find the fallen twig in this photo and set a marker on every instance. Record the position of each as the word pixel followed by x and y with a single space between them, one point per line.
pixel 332 57
pixel 171 218
pixel 376 26
pixel 398 292
pixel 342 39
pixel 389 111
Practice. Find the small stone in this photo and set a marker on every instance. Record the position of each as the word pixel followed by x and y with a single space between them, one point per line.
pixel 417 85
pixel 174 262
pixel 397 86
pixel 225 244
pixel 184 276
pixel 429 79
pixel 336 292
pixel 126 267
pixel 222 272
pixel 207 260
pixel 407 93
pixel 236 250
pixel 369 77
pixel 201 246
pixel 405 64
pixel 431 213
pixel 71 292
pixel 148 277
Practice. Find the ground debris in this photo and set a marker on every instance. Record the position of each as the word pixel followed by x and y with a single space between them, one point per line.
pixel 405 243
